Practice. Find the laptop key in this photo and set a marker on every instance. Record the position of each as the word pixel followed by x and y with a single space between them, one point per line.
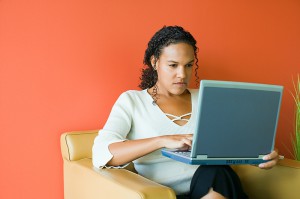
pixel 183 153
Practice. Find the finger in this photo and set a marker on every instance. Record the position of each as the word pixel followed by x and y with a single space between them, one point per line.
pixel 275 154
pixel 271 156
pixel 184 148
pixel 187 141
pixel 273 159
pixel 268 165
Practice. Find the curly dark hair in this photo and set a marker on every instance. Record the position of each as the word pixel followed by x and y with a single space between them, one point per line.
pixel 163 38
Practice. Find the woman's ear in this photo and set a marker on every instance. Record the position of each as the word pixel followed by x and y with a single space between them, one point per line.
pixel 153 62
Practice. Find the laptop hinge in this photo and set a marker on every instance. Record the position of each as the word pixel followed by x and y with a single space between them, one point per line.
pixel 201 156
pixel 261 156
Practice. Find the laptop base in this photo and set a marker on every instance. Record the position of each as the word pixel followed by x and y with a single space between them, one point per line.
pixel 210 161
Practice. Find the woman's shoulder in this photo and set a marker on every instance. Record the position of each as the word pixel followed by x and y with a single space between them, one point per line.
pixel 134 92
pixel 133 95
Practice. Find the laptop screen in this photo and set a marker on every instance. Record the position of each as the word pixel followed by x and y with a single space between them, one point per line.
pixel 236 122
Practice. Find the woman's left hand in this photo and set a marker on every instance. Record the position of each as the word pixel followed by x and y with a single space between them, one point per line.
pixel 272 158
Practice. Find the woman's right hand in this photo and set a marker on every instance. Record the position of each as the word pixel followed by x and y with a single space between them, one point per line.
pixel 181 142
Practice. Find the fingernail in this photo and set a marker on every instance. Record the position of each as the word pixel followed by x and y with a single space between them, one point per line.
pixel 261 165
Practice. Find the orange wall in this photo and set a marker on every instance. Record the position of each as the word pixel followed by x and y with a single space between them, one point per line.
pixel 63 63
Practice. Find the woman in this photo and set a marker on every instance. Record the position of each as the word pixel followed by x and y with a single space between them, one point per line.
pixel 163 115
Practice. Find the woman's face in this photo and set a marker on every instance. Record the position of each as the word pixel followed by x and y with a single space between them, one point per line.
pixel 174 68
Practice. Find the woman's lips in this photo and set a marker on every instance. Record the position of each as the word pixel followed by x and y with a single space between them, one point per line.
pixel 180 83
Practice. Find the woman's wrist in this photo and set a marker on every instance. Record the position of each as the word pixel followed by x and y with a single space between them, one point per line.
pixel 159 141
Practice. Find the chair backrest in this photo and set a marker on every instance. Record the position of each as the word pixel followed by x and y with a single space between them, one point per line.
pixel 77 145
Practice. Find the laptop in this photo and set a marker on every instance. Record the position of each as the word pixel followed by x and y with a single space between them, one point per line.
pixel 236 124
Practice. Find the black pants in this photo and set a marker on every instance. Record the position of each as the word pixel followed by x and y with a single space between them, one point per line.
pixel 221 178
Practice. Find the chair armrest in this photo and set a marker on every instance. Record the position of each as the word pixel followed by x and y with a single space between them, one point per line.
pixel 82 180
pixel 282 181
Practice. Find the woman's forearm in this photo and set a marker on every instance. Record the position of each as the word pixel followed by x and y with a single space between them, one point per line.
pixel 129 150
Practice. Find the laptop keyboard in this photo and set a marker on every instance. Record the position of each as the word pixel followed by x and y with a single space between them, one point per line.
pixel 183 153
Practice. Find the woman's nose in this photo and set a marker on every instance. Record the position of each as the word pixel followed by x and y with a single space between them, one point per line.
pixel 181 73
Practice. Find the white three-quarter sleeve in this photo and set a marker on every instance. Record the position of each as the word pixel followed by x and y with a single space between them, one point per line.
pixel 115 130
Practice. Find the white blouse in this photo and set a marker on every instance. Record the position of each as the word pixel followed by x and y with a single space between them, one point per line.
pixel 133 116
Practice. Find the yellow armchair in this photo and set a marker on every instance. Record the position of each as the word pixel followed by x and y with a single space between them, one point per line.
pixel 83 181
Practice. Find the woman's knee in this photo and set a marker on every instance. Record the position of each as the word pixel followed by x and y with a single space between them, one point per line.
pixel 213 195
pixel 221 179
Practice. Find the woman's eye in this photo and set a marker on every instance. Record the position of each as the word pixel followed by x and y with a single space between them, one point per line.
pixel 173 65
pixel 189 65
